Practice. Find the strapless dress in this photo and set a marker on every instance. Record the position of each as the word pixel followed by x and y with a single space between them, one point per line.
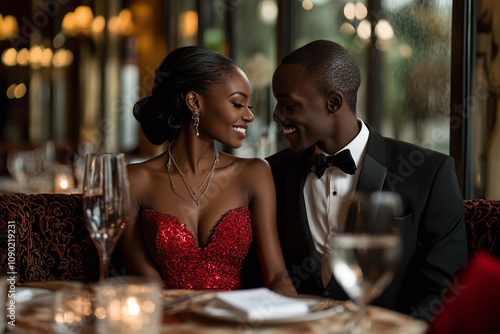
pixel 183 265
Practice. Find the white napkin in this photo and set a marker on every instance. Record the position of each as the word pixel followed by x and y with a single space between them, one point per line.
pixel 262 303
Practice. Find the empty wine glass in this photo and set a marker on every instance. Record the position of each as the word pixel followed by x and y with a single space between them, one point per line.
pixel 106 202
pixel 21 165
pixel 365 252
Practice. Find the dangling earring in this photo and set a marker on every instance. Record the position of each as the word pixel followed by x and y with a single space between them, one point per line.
pixel 196 119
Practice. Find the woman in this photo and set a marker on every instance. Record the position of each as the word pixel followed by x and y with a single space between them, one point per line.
pixel 195 209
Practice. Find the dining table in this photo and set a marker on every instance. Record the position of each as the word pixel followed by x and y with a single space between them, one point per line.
pixel 183 312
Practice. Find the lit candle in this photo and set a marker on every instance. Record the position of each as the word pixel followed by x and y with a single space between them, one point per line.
pixel 128 306
pixel 63 183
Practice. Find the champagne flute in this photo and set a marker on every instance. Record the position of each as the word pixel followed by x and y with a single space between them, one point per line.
pixel 365 252
pixel 106 202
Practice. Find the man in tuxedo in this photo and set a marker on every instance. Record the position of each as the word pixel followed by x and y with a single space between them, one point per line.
pixel 316 91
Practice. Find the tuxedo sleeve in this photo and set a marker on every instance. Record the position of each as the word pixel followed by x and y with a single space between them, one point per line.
pixel 442 241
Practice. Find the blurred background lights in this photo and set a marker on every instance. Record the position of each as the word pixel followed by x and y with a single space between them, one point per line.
pixel 82 22
pixel 38 56
pixel 361 11
pixel 121 24
pixel 347 28
pixel 82 19
pixel 36 53
pixel 16 91
pixel 19 91
pixel 126 24
pixel 188 23
pixel 307 4
pixel 10 91
pixel 8 27
pixel 405 50
pixel 9 57
pixel 59 40
pixel 268 10
pixel 383 30
pixel 23 57
pixel 98 24
pixel 364 29
pixel 350 11
pixel 62 58
pixel 46 59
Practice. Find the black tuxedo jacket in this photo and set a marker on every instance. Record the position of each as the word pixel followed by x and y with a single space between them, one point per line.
pixel 433 227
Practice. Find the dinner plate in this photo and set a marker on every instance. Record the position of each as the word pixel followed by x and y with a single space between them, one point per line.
pixel 319 308
pixel 30 294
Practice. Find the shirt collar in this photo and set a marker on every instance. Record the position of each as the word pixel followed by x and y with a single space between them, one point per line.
pixel 357 146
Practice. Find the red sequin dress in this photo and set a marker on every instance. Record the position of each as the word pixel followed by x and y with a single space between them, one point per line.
pixel 183 265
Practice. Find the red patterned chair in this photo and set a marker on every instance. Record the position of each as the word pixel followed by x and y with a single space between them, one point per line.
pixel 51 239
pixel 482 221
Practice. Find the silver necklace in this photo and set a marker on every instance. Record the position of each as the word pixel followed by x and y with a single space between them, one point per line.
pixel 194 195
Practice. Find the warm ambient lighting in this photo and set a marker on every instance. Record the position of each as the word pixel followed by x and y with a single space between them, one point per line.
pixel 38 56
pixel 350 11
pixel 9 57
pixel 78 22
pixel 364 29
pixel 361 11
pixel 356 14
pixel 8 27
pixel 46 59
pixel 82 22
pixel 307 4
pixel 188 24
pixel 23 57
pixel 62 58
pixel 347 28
pixel 268 10
pixel 355 10
pixel 16 91
pixel 63 182
pixel 383 30
pixel 405 50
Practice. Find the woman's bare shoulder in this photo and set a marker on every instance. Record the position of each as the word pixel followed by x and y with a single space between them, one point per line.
pixel 141 173
pixel 249 167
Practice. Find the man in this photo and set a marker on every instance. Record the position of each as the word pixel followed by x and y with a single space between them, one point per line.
pixel 316 91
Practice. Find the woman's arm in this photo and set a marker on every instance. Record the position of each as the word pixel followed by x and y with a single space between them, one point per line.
pixel 263 209
pixel 131 244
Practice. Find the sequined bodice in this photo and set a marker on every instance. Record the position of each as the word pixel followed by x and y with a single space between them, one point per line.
pixel 183 265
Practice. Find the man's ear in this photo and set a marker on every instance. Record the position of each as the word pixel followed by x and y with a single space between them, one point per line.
pixel 335 101
pixel 193 100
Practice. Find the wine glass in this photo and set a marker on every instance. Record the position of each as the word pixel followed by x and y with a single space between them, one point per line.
pixel 106 202
pixel 21 165
pixel 364 253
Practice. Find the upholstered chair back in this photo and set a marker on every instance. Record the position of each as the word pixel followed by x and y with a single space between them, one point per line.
pixel 48 237
pixel 482 221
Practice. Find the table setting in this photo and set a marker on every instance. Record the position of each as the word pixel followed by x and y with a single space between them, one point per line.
pixel 135 305
pixel 365 253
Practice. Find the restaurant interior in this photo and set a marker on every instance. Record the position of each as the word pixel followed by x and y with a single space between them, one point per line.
pixel 71 72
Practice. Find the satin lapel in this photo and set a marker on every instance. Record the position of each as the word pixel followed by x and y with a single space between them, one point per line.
pixel 373 172
pixel 297 231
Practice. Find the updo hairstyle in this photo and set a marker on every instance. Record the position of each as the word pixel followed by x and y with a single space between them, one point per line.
pixel 185 69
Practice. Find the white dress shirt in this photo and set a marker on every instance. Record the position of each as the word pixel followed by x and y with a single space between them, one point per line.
pixel 327 199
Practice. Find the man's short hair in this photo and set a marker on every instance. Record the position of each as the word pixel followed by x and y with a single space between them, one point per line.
pixel 331 68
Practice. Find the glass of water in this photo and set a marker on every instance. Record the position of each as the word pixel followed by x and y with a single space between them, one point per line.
pixel 365 251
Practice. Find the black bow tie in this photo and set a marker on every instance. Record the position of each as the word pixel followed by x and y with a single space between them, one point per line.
pixel 343 160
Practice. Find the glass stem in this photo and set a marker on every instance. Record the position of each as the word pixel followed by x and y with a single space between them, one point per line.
pixel 103 262
pixel 103 268
pixel 361 323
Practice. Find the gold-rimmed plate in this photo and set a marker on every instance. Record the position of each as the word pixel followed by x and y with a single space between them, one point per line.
pixel 319 308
